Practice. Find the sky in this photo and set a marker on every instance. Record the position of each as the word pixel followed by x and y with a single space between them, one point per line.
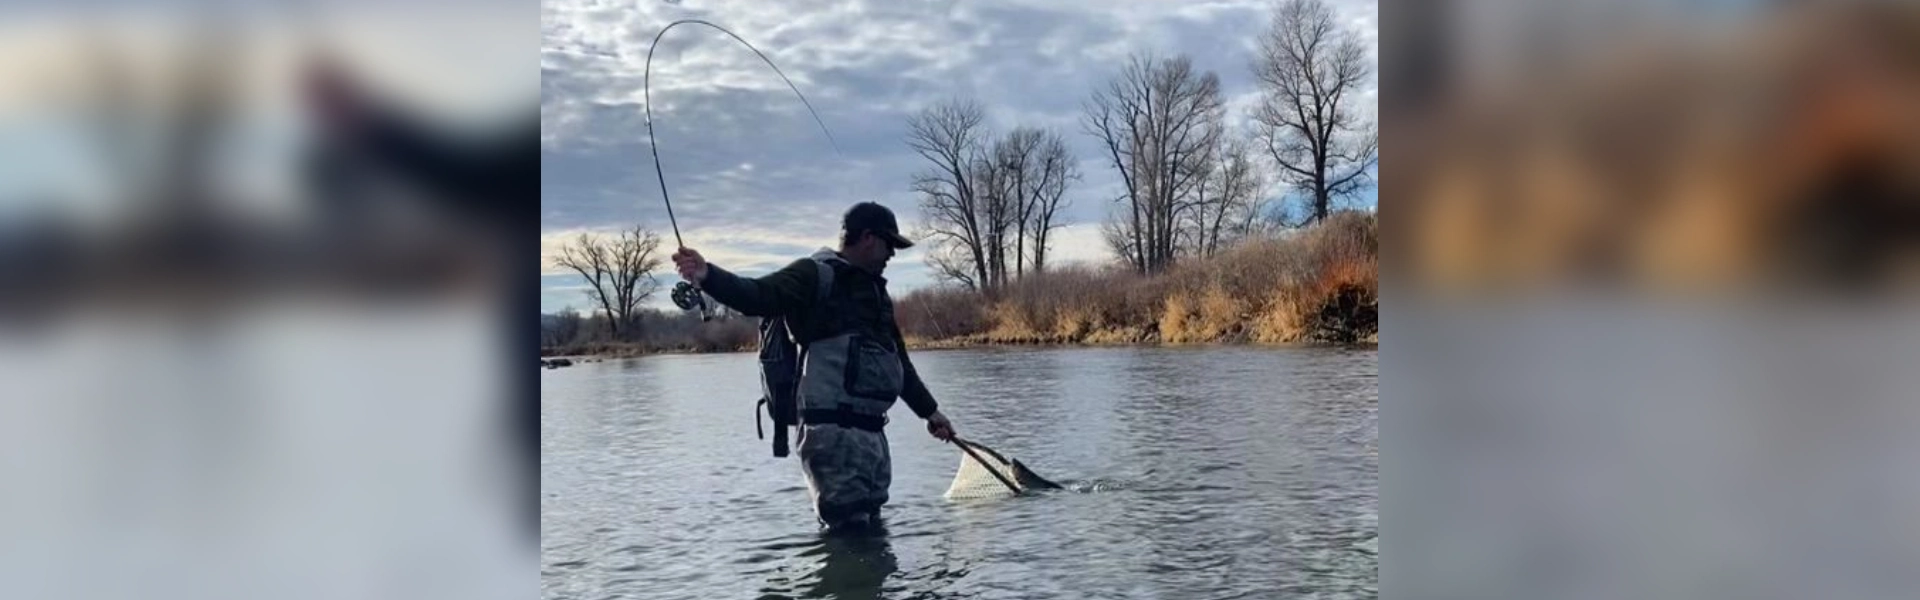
pixel 753 181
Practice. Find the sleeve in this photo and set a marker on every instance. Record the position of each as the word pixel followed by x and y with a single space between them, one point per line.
pixel 481 168
pixel 783 292
pixel 915 391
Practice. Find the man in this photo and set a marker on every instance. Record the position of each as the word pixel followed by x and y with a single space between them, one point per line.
pixel 856 361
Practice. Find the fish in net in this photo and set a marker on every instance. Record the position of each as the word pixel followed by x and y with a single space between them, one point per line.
pixel 985 473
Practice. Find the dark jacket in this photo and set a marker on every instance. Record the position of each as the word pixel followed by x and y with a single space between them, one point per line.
pixel 858 301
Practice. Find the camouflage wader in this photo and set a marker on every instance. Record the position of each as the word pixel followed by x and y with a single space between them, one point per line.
pixel 848 472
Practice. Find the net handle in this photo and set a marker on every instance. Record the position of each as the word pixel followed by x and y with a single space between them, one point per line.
pixel 967 447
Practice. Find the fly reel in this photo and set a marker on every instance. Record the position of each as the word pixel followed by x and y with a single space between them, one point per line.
pixel 687 297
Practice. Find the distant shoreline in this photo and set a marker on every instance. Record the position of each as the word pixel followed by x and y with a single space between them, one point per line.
pixel 617 351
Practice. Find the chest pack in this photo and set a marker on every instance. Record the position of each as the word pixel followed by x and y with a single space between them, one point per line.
pixel 781 356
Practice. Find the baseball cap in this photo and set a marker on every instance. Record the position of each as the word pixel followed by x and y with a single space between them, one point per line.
pixel 870 216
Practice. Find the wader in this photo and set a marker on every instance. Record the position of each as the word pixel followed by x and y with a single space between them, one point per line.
pixel 848 381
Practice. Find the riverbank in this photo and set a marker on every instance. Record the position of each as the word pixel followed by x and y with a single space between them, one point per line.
pixel 1316 286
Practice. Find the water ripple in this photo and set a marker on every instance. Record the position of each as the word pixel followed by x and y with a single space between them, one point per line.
pixel 1197 473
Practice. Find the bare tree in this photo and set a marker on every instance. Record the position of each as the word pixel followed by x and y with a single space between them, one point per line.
pixel 953 262
pixel 1258 187
pixel 619 273
pixel 1311 70
pixel 1159 122
pixel 1229 200
pixel 1119 236
pixel 593 260
pixel 562 329
pixel 636 255
pixel 989 203
pixel 997 197
pixel 1029 174
pixel 949 135
pixel 1058 169
pixel 1017 174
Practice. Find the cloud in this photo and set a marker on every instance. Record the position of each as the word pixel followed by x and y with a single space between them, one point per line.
pixel 866 66
pixel 1079 244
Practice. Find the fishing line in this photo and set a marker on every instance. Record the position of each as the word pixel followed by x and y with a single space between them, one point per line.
pixel 685 294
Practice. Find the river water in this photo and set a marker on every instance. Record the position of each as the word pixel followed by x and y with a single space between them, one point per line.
pixel 1205 472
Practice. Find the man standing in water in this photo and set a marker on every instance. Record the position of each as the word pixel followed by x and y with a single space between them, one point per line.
pixel 855 359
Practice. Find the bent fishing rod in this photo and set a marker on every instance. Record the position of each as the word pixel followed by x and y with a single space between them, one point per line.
pixel 687 295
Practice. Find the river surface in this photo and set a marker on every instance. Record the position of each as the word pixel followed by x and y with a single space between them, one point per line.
pixel 1192 473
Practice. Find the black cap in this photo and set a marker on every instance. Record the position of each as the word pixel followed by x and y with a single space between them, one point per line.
pixel 869 216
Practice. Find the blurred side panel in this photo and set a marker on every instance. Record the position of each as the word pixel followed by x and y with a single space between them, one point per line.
pixel 1651 270
pixel 265 269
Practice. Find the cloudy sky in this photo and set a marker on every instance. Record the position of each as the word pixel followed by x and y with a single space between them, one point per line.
pixel 755 183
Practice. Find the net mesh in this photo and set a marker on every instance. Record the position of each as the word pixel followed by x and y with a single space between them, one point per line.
pixel 975 479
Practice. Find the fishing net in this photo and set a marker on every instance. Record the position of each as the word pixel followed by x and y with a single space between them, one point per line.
pixel 985 473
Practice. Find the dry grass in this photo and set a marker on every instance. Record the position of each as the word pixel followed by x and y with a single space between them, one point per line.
pixel 1319 285
pixel 1173 319
pixel 939 313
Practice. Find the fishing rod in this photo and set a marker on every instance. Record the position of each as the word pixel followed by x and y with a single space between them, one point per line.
pixel 687 295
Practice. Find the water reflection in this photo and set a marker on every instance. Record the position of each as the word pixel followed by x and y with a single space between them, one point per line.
pixel 853 567
pixel 845 567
